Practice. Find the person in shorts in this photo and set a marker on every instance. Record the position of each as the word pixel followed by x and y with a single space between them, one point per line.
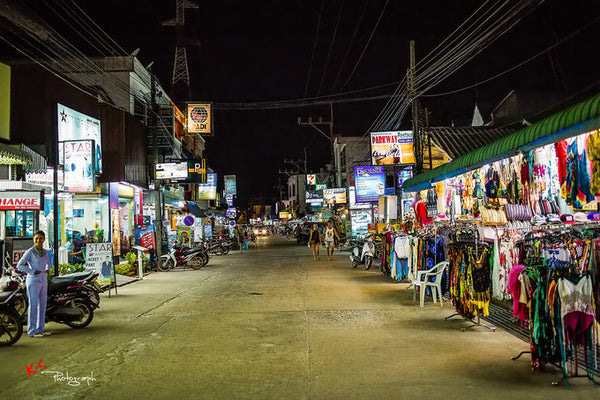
pixel 330 235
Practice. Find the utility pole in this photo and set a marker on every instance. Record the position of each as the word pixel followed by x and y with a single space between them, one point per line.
pixel 157 192
pixel 316 125
pixel 412 93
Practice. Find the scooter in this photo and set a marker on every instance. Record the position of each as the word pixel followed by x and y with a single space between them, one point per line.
pixel 71 301
pixel 180 256
pixel 363 253
pixel 13 305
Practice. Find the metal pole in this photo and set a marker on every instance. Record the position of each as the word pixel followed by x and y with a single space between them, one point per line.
pixel 157 194
pixel 417 145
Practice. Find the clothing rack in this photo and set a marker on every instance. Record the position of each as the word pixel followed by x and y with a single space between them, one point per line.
pixel 472 320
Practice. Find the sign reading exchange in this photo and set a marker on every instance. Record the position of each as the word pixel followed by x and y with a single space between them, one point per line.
pixel 12 200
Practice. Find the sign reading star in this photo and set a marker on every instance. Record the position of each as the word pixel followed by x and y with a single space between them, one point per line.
pixel 63 116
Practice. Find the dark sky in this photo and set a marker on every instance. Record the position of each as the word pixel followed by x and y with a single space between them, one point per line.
pixel 261 51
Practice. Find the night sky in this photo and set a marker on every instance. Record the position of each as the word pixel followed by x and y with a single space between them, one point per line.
pixel 252 51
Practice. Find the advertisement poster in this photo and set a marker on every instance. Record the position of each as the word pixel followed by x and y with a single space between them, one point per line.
pixel 184 236
pixel 45 178
pixel 360 220
pixel 403 176
pixel 99 258
pixel 174 171
pixel 208 190
pixel 78 158
pixel 200 119
pixel 230 185
pixel 198 230
pixel 370 183
pixel 392 148
pixel 73 125
pixel 229 200
pixel 353 205
pixel 334 196
pixel 208 231
pixel 147 239
pixel 115 217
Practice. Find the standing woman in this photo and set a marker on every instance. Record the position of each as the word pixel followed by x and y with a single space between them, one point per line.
pixel 36 263
pixel 315 241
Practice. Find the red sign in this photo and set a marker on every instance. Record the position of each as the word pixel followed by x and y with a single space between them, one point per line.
pixel 147 240
pixel 21 200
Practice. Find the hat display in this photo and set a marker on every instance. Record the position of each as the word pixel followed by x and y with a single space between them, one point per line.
pixel 580 217
pixel 594 216
pixel 538 220
pixel 567 219
pixel 553 219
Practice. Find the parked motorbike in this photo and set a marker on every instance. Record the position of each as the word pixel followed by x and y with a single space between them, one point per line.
pixel 72 300
pixel 363 253
pixel 181 256
pixel 215 247
pixel 13 305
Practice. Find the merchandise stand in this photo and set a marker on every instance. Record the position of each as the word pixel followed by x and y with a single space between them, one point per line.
pixel 475 321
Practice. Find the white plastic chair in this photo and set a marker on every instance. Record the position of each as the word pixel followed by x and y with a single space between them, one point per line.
pixel 423 280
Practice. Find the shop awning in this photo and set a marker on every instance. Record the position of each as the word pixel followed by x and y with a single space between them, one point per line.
pixel 12 156
pixel 580 118
pixel 195 209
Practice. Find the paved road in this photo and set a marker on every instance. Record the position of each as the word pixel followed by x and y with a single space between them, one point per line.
pixel 273 324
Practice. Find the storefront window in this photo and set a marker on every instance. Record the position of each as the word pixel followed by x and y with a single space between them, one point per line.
pixel 20 223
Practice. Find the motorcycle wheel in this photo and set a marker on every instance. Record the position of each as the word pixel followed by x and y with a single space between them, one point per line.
pixel 165 264
pixel 368 262
pixel 11 329
pixel 86 310
pixel 354 264
pixel 196 262
pixel 225 250
pixel 205 258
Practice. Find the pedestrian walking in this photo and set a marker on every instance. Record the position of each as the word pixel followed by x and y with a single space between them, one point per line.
pixel 330 235
pixel 315 241
pixel 36 263
pixel 237 232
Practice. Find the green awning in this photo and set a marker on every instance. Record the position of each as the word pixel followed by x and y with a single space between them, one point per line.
pixel 577 119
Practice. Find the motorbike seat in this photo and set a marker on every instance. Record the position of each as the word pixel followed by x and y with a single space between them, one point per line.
pixel 74 277
pixel 54 287
pixel 190 251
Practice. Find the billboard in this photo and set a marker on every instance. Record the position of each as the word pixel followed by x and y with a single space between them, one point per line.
pixel 311 179
pixel 370 183
pixel 208 190
pixel 73 125
pixel 78 159
pixel 230 185
pixel 353 204
pixel 392 148
pixel 231 213
pixel 200 118
pixel 172 170
pixel 360 220
pixel 334 196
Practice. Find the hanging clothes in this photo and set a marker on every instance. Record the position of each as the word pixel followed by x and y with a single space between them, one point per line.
pixel 593 148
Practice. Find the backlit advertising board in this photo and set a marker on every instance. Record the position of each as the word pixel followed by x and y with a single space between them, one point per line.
pixel 370 183
pixel 78 156
pixel 200 119
pixel 175 171
pixel 360 220
pixel 353 204
pixel 21 200
pixel 231 213
pixel 334 196
pixel 73 125
pixel 208 190
pixel 392 148
pixel 230 185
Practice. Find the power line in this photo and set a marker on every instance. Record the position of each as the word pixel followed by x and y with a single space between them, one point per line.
pixel 312 57
pixel 331 47
pixel 367 44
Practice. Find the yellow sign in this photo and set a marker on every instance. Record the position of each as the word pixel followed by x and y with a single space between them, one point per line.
pixel 200 119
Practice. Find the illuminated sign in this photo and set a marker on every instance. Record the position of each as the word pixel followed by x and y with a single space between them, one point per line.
pixel 334 196
pixel 172 170
pixel 231 213
pixel 45 178
pixel 311 179
pixel 200 118
pixel 73 125
pixel 370 183
pixel 392 148
pixel 208 190
pixel 284 215
pixel 13 200
pixel 230 185
pixel 78 168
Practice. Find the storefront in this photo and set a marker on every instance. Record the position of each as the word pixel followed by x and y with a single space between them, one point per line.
pixel 523 211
